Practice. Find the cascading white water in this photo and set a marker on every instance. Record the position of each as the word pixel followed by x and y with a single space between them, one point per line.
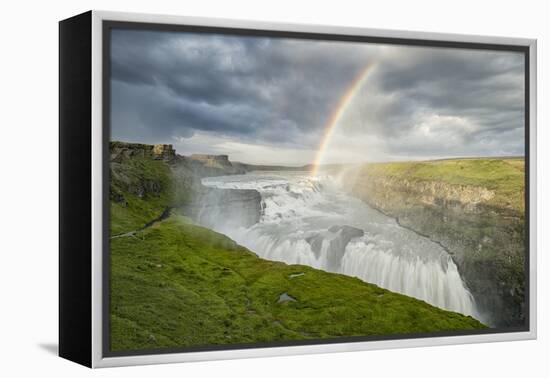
pixel 312 222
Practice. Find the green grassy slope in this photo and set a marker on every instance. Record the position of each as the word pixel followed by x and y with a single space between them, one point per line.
pixel 176 284
pixel 141 189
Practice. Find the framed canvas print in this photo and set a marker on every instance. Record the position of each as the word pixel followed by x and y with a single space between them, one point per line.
pixel 237 189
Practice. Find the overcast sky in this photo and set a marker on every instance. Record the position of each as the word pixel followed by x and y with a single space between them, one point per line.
pixel 266 100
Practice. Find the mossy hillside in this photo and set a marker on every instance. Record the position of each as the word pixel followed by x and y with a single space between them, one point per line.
pixel 176 284
pixel 141 188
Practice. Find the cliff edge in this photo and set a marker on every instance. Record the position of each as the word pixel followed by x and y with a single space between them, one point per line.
pixel 474 208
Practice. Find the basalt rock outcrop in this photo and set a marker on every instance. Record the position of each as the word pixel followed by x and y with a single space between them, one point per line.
pixel 123 150
pixel 220 208
pixel 164 151
pixel 338 238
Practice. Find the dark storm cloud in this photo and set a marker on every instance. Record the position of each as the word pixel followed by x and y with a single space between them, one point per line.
pixel 255 88
pixel 455 81
pixel 445 102
pixel 281 92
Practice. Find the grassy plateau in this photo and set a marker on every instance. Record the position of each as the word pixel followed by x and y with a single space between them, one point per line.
pixel 504 176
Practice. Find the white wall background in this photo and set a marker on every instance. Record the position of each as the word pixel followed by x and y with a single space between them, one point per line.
pixel 28 186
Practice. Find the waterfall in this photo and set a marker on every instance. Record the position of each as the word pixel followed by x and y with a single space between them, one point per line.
pixel 312 222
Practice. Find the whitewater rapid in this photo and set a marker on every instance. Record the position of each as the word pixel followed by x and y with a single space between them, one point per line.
pixel 312 221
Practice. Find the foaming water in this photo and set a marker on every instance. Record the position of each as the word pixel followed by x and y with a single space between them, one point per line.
pixel 310 221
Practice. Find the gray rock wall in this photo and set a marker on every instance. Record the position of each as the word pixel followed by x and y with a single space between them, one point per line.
pixel 486 242
pixel 225 208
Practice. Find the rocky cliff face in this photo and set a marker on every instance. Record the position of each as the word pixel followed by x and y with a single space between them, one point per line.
pixel 135 170
pixel 215 161
pixel 214 208
pixel 211 165
pixel 486 241
pixel 156 174
pixel 164 151
pixel 122 150
pixel 187 171
pixel 221 208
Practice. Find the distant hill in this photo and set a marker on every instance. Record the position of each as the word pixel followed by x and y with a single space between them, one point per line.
pixel 254 167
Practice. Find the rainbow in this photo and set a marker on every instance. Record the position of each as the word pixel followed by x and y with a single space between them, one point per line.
pixel 337 113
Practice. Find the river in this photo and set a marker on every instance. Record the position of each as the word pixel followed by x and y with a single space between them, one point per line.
pixel 312 221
